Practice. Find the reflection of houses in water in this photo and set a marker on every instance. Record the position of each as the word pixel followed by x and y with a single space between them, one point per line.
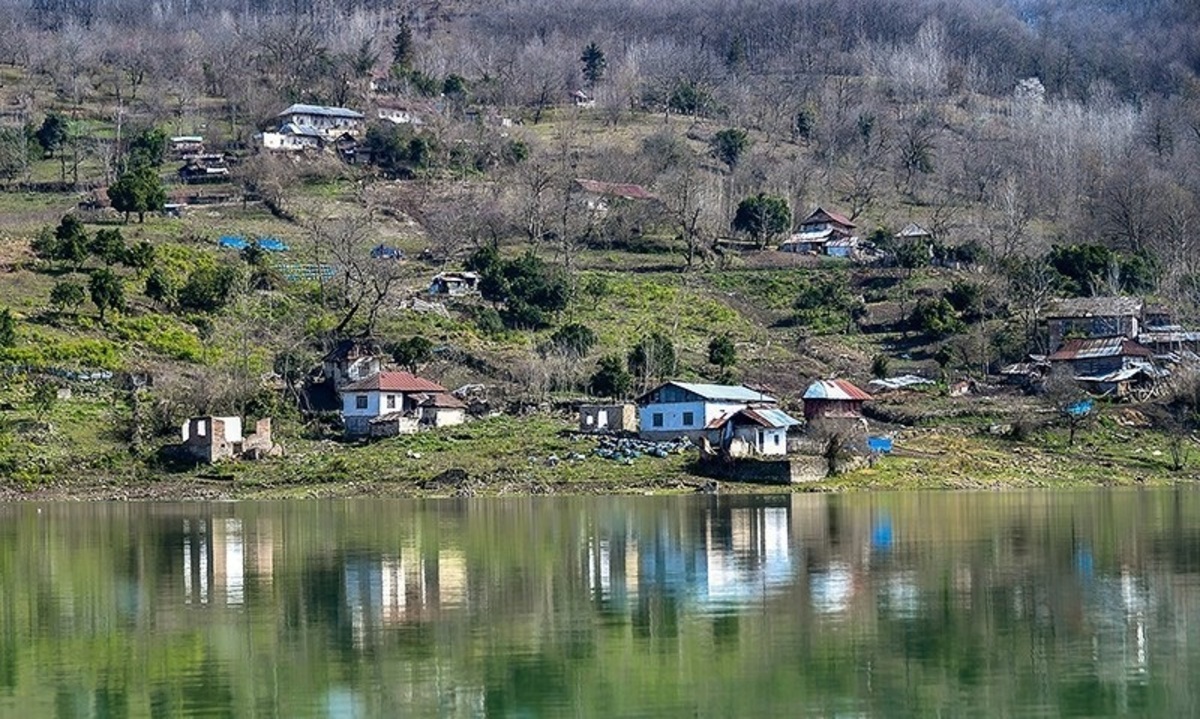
pixel 395 589
pixel 735 554
pixel 611 567
pixel 218 554
pixel 750 554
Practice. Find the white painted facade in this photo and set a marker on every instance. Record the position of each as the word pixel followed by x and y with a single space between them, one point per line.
pixel 371 403
pixel 675 419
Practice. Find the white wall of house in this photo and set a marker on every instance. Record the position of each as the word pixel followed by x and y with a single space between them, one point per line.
pixel 766 441
pixel 323 122
pixel 679 418
pixel 376 403
pixel 282 141
pixel 443 416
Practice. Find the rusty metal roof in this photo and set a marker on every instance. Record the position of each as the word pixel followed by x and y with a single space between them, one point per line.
pixel 835 389
pixel 1097 347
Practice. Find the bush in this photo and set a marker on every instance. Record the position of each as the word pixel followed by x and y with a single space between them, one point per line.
pixel 209 288
pixel 881 366
pixel 610 379
pixel 936 319
pixel 573 339
pixel 966 298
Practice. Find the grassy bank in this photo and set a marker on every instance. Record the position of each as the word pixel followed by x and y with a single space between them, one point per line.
pixel 538 454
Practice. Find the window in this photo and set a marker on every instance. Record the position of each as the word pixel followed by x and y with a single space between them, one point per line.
pixel 776 440
pixel 360 401
pixel 657 419
pixel 688 419
pixel 391 401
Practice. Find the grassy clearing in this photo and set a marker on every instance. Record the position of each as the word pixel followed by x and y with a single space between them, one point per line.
pixel 505 452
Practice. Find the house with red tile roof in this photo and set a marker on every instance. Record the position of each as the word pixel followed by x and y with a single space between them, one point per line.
pixel 390 403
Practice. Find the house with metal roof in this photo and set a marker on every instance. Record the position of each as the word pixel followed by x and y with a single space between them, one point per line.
pixel 821 232
pixel 328 120
pixel 833 398
pixel 1089 317
pixel 687 409
pixel 1098 356
pixel 755 429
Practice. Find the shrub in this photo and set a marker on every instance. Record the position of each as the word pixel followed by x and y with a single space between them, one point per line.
pixel 936 319
pixel 610 379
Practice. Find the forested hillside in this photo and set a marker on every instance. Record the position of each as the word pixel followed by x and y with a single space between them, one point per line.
pixel 1047 148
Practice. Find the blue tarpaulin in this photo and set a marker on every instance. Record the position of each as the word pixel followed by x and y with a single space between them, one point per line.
pixel 234 242
pixel 880 445
pixel 1081 408
pixel 272 244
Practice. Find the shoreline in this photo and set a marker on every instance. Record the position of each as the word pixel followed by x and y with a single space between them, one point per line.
pixel 481 459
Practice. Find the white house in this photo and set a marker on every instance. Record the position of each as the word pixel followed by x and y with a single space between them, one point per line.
pixel 293 137
pixel 330 121
pixel 677 409
pixel 753 430
pixel 393 402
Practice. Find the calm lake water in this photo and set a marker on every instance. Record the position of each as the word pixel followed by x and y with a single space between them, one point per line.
pixel 932 604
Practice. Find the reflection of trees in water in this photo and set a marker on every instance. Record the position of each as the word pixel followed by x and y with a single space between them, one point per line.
pixel 1074 603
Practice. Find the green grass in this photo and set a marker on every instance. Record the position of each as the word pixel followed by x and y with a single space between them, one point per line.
pixel 506 452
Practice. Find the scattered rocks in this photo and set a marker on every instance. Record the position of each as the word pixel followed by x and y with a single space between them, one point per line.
pixel 626 449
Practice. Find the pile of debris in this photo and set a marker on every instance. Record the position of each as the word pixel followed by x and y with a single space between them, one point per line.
pixel 627 449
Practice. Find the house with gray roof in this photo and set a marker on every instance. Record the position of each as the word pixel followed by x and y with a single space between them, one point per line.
pixel 689 409
pixel 1090 317
pixel 329 121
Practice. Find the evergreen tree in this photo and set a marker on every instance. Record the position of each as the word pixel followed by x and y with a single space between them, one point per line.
pixel 8 328
pixel 610 379
pixel 594 64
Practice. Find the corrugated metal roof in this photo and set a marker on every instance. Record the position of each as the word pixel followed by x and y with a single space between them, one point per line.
pixel 1095 307
pixel 716 392
pixel 770 417
pixel 913 230
pixel 291 128
pixel 1097 347
pixel 321 110
pixel 835 389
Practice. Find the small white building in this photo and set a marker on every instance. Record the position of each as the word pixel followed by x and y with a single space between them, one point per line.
pixel 394 402
pixel 753 431
pixel 454 284
pixel 293 137
pixel 686 409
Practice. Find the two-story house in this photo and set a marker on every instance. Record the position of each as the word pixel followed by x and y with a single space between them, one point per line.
pixel 390 403
pixel 1092 317
pixel 822 233
pixel 330 121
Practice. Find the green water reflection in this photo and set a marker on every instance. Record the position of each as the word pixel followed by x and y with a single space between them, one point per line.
pixel 1039 604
